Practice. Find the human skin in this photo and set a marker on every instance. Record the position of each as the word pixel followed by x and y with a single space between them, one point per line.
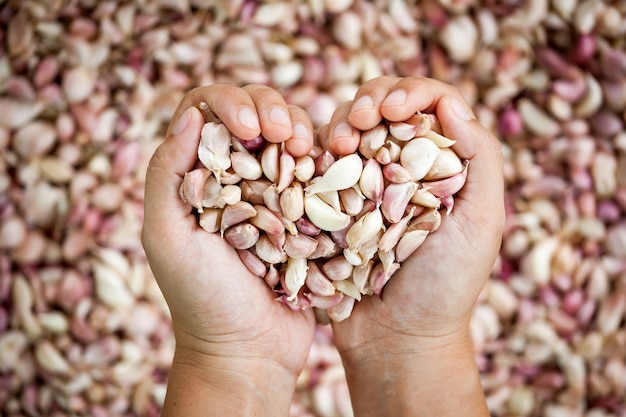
pixel 238 351
pixel 409 353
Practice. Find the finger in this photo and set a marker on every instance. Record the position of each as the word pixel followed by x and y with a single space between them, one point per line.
pixel 232 105
pixel 301 141
pixel 365 111
pixel 482 197
pixel 276 125
pixel 172 159
pixel 413 94
pixel 342 138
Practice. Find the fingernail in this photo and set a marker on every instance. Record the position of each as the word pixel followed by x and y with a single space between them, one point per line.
pixel 182 123
pixel 396 98
pixel 300 131
pixel 460 110
pixel 279 116
pixel 362 103
pixel 248 118
pixel 342 129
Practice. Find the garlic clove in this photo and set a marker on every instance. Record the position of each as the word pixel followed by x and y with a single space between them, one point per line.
pixel 409 243
pixel 269 161
pixel 337 268
pixel 295 276
pixel 361 275
pixel 267 251
pixel 322 162
pixel 429 220
pixel 418 156
pixel 344 173
pixel 395 200
pixel 291 202
pixel 351 200
pixel 267 221
pixel 324 216
pixel 342 310
pixel 236 213
pixel 447 186
pixel 214 148
pixel 242 236
pixel 347 287
pixel 396 173
pixel 252 262
pixel 317 282
pixel 246 165
pixel 271 199
pixel 304 169
pixel 371 181
pixel 286 174
pixel 425 198
pixel 394 232
pixel 364 229
pixel 326 247
pixel 325 301
pixel 446 165
pixel 372 140
pixel 299 246
pixel 438 139
pixel 192 188
pixel 210 219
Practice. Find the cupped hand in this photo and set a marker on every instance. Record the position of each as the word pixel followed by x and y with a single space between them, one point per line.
pixel 428 302
pixel 219 309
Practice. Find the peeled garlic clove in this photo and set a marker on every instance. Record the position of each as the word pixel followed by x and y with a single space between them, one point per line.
pixel 246 165
pixel 267 221
pixel 317 282
pixel 446 165
pixel 409 243
pixel 269 161
pixel 425 198
pixel 337 268
pixel 295 276
pixel 268 252
pixel 439 140
pixel 324 216
pixel 304 169
pixel 372 140
pixel 395 200
pixel 192 189
pixel 210 219
pixel 287 166
pixel 344 173
pixel 242 236
pixel 418 156
pixel 347 287
pixel 342 310
pixel 299 246
pixel 394 232
pixel 292 202
pixel 447 186
pixel 364 229
pixel 252 262
pixel 237 213
pixel 371 181
pixel 214 148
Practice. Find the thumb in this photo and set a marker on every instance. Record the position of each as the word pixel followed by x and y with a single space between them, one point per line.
pixel 177 155
pixel 482 197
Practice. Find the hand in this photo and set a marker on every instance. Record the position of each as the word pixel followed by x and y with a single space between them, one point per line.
pixel 424 313
pixel 229 329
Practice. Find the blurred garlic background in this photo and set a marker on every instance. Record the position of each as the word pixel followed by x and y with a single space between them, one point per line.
pixel 87 88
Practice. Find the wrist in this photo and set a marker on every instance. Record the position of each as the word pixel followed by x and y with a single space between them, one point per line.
pixel 210 385
pixel 415 378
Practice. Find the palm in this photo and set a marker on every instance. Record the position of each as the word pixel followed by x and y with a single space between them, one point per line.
pixel 222 302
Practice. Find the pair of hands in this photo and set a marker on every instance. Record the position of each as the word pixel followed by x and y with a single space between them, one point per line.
pixel 234 339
